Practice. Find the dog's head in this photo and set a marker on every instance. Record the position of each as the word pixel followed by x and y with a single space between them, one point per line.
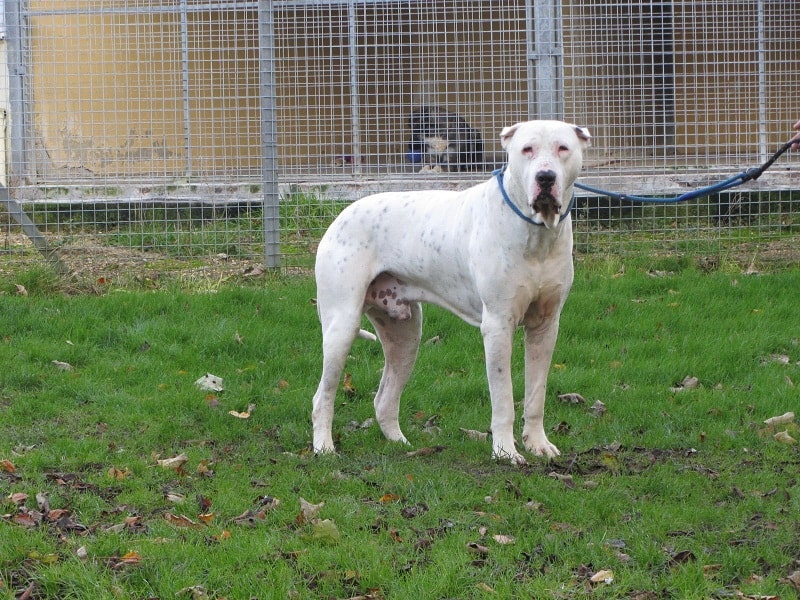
pixel 544 159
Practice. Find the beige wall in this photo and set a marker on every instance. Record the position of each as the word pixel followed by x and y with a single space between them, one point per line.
pixel 109 99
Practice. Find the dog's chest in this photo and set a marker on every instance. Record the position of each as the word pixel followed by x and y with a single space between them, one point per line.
pixel 437 143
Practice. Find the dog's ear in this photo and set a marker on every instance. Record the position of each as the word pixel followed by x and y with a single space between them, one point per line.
pixel 584 136
pixel 507 134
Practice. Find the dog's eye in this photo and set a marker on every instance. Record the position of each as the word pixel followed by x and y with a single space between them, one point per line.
pixel 562 148
pixel 528 150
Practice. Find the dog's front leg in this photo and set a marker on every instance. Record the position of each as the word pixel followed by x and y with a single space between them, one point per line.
pixel 498 334
pixel 540 341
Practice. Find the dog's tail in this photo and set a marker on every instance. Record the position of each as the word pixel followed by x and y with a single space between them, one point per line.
pixel 362 333
pixel 366 335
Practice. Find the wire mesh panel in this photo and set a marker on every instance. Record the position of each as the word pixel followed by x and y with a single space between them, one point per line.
pixel 681 94
pixel 139 124
pixel 351 74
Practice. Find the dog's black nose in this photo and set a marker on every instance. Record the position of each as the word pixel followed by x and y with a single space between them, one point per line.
pixel 546 179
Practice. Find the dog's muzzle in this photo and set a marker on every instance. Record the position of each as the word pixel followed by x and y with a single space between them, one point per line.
pixel 545 203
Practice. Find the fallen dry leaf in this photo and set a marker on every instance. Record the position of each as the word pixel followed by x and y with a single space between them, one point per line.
pixel 347 386
pixel 688 383
pixel 256 270
pixel 430 427
pixel 249 518
pixel 572 398
pixel 210 382
pixel 118 474
pixel 243 415
pixel 477 548
pixel 534 506
pixel 19 450
pixel 131 557
pixel 43 501
pixel 598 409
pixel 268 502
pixel 64 366
pixel 181 521
pixel 225 535
pixel 27 519
pixel 479 436
pixel 504 540
pixel 794 579
pixel 20 290
pixel 308 511
pixel 780 419
pixel 325 531
pixel 426 451
pixel 18 498
pixel 204 469
pixel 565 479
pixel 204 503
pixel 27 593
pixel 605 576
pixel 784 438
pixel 780 359
pixel 175 463
pixel 197 592
pixel 7 466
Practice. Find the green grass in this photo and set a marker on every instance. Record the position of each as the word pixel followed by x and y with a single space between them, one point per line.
pixel 682 494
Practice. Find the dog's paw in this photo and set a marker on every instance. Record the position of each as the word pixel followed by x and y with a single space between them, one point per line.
pixel 398 438
pixel 546 449
pixel 323 448
pixel 539 445
pixel 514 457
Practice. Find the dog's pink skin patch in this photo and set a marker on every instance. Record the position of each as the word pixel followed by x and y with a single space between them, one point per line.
pixel 386 292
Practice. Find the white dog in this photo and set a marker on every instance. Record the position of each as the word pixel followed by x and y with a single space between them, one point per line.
pixel 498 255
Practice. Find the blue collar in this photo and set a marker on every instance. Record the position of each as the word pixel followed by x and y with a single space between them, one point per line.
pixel 499 175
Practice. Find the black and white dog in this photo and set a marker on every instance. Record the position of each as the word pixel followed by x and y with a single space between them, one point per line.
pixel 443 141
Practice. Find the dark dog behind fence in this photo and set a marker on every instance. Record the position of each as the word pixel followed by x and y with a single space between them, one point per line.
pixel 443 139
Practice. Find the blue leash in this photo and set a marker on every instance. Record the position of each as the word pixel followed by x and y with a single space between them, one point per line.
pixel 749 175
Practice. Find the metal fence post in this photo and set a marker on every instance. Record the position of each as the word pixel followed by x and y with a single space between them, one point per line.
pixel 269 134
pixel 545 57
pixel 18 163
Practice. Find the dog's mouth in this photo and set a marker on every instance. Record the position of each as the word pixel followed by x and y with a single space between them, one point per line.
pixel 547 206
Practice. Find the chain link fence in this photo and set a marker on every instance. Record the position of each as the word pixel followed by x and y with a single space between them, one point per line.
pixel 173 134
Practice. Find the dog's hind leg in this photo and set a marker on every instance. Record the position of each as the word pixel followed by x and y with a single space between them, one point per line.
pixel 338 334
pixel 400 339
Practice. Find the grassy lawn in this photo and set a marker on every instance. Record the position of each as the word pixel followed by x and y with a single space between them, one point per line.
pixel 669 490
